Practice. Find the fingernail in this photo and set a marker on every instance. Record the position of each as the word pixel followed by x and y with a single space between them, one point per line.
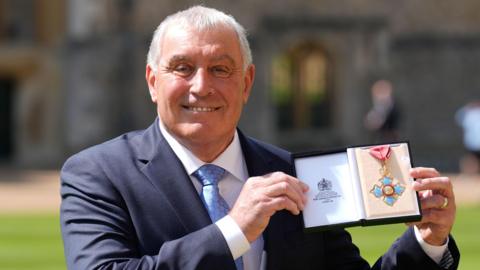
pixel 305 187
pixel 415 185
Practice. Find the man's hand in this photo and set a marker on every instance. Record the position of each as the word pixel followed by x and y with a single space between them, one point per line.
pixel 438 205
pixel 262 196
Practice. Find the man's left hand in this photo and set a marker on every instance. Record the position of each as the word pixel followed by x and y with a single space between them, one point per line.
pixel 438 205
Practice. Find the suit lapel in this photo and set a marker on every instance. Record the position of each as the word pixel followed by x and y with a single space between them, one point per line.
pixel 260 162
pixel 165 171
pixel 257 164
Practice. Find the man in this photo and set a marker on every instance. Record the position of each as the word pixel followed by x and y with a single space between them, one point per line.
pixel 468 117
pixel 136 202
pixel 383 118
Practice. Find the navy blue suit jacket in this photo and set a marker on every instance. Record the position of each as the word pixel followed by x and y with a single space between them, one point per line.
pixel 129 204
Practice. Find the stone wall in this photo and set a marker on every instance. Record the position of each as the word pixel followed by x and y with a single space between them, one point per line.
pixel 79 69
pixel 435 76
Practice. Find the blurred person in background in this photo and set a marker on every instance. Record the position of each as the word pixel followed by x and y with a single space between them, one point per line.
pixel 383 118
pixel 153 199
pixel 468 117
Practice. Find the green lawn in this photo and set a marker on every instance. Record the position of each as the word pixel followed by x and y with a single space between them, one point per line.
pixel 33 241
pixel 374 241
pixel 30 242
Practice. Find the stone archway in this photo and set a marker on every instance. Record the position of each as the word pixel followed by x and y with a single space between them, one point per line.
pixel 301 86
pixel 346 50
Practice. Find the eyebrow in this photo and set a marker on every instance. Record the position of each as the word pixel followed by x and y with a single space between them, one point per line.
pixel 182 58
pixel 224 57
pixel 178 58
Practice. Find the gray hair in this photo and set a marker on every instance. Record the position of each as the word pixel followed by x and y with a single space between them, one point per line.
pixel 199 18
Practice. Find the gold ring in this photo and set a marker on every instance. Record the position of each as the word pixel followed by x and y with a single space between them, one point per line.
pixel 445 203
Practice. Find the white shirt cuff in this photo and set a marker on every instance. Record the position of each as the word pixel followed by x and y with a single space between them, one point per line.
pixel 236 240
pixel 434 252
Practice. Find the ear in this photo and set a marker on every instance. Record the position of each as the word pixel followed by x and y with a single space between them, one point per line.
pixel 151 81
pixel 248 80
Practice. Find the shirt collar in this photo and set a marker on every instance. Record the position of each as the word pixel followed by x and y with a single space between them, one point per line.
pixel 232 159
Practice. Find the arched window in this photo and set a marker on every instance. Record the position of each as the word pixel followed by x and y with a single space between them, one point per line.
pixel 301 87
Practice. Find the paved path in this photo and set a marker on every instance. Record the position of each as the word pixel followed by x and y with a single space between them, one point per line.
pixel 29 191
pixel 38 191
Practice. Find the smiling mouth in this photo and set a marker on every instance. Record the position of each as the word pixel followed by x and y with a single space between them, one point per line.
pixel 201 109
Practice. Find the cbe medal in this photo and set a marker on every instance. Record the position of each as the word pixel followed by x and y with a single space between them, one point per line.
pixel 388 189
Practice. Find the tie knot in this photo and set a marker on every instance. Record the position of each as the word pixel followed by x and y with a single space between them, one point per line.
pixel 209 174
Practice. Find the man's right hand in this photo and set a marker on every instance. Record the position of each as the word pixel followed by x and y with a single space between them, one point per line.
pixel 262 196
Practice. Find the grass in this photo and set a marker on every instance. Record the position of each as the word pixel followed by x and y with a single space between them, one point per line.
pixel 32 241
pixel 374 241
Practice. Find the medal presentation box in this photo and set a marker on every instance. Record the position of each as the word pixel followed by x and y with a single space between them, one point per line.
pixel 358 186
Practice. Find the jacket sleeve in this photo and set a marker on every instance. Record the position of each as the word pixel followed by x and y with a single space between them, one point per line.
pixel 406 253
pixel 98 232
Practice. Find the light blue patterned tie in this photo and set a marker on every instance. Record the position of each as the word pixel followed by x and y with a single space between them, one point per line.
pixel 209 175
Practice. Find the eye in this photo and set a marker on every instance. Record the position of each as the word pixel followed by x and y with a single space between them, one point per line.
pixel 221 71
pixel 183 70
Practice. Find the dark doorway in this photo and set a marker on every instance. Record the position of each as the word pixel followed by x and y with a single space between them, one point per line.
pixel 301 87
pixel 6 117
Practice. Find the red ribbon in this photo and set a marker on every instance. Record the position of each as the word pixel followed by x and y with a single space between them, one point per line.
pixel 381 152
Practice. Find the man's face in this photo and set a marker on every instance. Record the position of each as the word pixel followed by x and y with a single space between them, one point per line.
pixel 200 86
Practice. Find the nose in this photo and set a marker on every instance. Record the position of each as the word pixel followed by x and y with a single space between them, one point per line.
pixel 200 84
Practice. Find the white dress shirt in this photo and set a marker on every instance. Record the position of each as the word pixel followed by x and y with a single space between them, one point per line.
pixel 233 161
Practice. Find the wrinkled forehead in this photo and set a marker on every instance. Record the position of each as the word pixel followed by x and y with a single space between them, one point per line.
pixel 222 32
pixel 220 39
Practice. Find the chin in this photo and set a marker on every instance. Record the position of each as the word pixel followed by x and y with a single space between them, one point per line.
pixel 193 130
pixel 205 133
